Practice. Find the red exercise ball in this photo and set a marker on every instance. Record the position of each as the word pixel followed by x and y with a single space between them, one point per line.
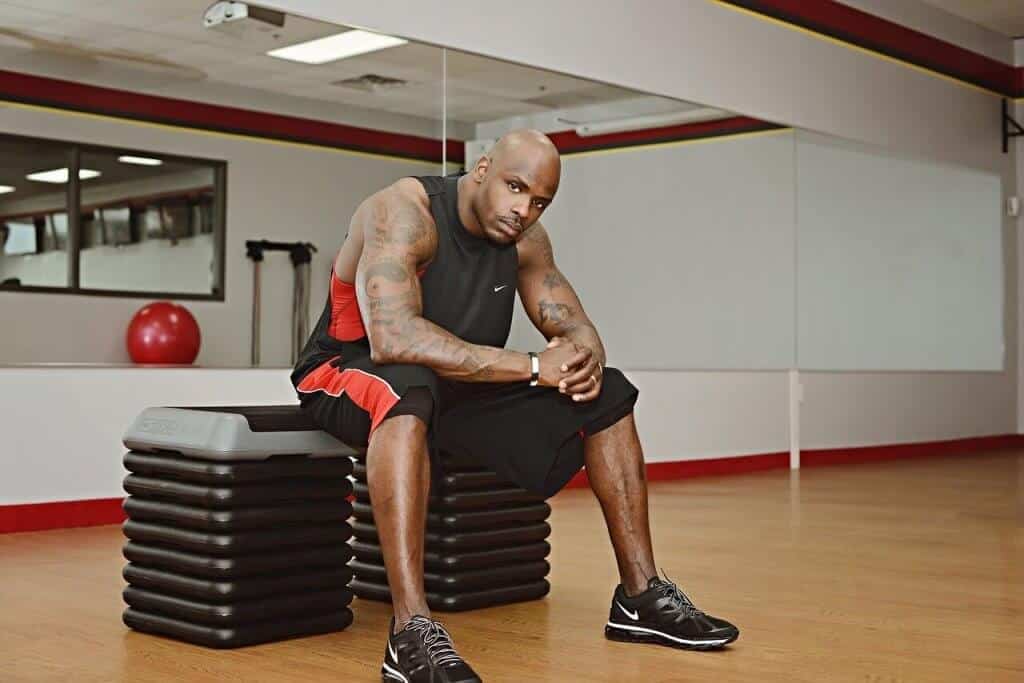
pixel 163 332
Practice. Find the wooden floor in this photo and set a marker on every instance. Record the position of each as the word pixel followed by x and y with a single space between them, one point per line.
pixel 910 570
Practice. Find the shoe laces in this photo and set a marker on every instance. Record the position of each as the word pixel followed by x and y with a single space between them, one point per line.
pixel 440 649
pixel 678 598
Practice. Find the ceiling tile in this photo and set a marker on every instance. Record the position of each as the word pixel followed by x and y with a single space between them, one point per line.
pixel 480 88
pixel 17 17
pixel 138 14
pixel 58 6
pixel 143 42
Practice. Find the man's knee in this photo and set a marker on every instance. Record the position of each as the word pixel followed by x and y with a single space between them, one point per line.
pixel 416 405
pixel 620 396
pixel 613 379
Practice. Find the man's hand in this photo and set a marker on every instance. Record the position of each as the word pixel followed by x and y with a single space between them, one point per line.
pixel 582 373
pixel 552 361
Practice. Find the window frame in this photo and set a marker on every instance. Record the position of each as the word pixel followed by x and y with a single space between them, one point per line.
pixel 72 207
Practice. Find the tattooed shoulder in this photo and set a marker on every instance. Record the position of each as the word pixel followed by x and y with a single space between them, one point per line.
pixel 535 247
pixel 396 218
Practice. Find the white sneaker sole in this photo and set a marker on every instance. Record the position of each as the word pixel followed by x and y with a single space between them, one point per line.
pixel 640 634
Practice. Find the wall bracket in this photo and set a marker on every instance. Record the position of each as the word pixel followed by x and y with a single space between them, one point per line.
pixel 1011 129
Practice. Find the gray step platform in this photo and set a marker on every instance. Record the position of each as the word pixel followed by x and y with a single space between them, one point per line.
pixel 226 433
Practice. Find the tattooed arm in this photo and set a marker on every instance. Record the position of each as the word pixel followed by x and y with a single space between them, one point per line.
pixel 399 236
pixel 556 311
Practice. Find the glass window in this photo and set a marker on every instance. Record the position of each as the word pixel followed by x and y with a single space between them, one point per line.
pixel 146 223
pixel 33 213
pixel 149 224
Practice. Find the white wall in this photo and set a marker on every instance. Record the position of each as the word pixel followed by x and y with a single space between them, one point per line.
pixel 82 459
pixel 682 253
pixel 62 436
pixel 275 191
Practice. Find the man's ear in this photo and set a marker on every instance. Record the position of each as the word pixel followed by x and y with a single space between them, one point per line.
pixel 483 164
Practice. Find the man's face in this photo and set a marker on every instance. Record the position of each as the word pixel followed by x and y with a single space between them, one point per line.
pixel 513 195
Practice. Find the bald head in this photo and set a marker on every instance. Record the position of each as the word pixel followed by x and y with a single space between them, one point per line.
pixel 526 147
pixel 514 182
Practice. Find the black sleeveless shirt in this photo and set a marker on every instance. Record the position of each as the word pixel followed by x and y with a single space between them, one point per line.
pixel 469 288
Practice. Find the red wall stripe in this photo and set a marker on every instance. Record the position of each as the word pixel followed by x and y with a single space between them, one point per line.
pixel 881 35
pixel 122 103
pixel 80 513
pixel 569 142
pixel 661 471
pixel 60 515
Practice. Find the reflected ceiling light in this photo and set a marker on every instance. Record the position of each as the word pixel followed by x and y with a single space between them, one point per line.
pixel 651 121
pixel 338 46
pixel 4 189
pixel 139 161
pixel 60 175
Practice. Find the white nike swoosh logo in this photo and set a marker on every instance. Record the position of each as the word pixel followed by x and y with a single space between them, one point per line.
pixel 635 616
pixel 498 289
pixel 391 651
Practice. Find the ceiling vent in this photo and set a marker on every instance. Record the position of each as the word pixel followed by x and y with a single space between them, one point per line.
pixel 371 83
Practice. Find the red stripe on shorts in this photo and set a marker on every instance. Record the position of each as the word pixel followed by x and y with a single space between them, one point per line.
pixel 369 392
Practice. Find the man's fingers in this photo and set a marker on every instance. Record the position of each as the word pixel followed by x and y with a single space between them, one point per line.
pixel 580 380
pixel 581 357
pixel 588 395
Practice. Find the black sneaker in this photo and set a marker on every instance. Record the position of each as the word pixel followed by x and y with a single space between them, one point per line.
pixel 662 614
pixel 422 652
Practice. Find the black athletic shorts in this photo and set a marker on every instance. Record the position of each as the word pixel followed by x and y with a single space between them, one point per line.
pixel 532 436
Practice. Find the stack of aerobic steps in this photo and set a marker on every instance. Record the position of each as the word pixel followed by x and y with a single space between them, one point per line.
pixel 485 542
pixel 238 522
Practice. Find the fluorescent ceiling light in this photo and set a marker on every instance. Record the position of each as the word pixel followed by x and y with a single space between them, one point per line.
pixel 338 46
pixel 140 161
pixel 4 189
pixel 651 121
pixel 60 175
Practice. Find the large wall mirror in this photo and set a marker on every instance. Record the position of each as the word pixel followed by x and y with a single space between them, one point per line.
pixel 697 237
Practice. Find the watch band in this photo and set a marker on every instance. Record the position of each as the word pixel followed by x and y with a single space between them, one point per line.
pixel 534 369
